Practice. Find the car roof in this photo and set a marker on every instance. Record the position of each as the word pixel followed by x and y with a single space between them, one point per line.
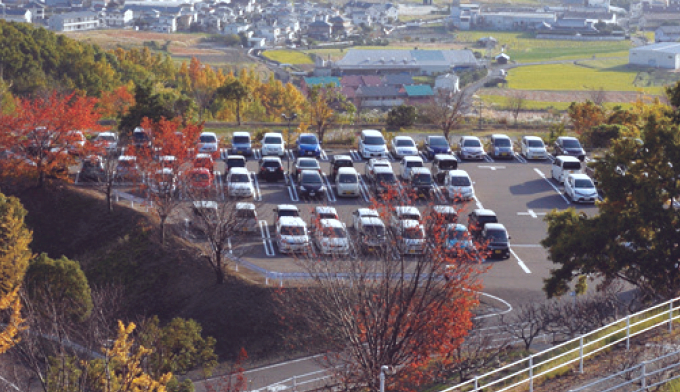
pixel 245 206
pixel 308 171
pixel 566 138
pixel 420 170
pixel 300 159
pixel 292 221
pixel 272 134
pixel 331 223
pixel 199 170
pixel 408 223
pixel 342 157
pixel 413 158
pixel 458 173
pixel 568 158
pixel 532 138
pixel 240 133
pixel 484 212
pixel 107 134
pixel 137 130
pixel 166 158
pixel 325 209
pixel 580 176
pixel 241 170
pixel 436 137
pixel 470 137
pixel 494 226
pixel 499 136
pixel 127 158
pixel 371 132
pixel 456 227
pixel 406 210
pixel 372 220
pixel 277 159
pixel 379 160
pixel 281 207
pixel 240 157
pixel 209 134
pixel 403 138
pixel 347 170
pixel 205 204
pixel 306 134
pixel 441 209
pixel 445 157
pixel 366 211
pixel 203 156
pixel 383 169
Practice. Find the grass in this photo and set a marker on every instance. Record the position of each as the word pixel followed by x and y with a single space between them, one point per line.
pixel 523 47
pixel 288 56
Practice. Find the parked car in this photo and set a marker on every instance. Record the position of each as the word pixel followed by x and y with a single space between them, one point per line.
pixel 459 186
pixel 372 144
pixel 384 179
pixel 372 164
pixel 140 138
pixel 533 148
pixel 480 217
pixel 411 238
pixel 310 184
pixel 107 141
pixel 200 179
pixel 234 161
pixel 347 182
pixel 323 212
pixel 562 166
pixel 443 214
pixel 282 210
pixel 458 241
pixel 580 188
pixel 169 162
pixel 402 146
pixel 92 169
pixel 208 143
pixel 371 233
pixel 162 182
pixel 404 213
pixel 126 169
pixel 305 164
pixel 291 235
pixel 421 182
pixel 246 215
pixel 497 240
pixel 273 144
pixel 501 147
pixel 330 237
pixel 362 213
pixel 307 144
pixel 407 164
pixel 239 183
pixel 204 161
pixel 339 161
pixel 271 169
pixel 441 164
pixel 205 213
pixel 241 144
pixel 470 147
pixel 75 142
pixel 569 146
pixel 436 145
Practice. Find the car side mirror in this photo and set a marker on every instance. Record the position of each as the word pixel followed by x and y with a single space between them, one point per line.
pixel 509 237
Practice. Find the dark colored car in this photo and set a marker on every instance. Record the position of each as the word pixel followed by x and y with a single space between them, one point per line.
pixel 497 240
pixel 441 164
pixel 339 161
pixel 480 217
pixel 436 145
pixel 421 181
pixel 310 184
pixel 270 169
pixel 570 146
pixel 92 169
pixel 235 161
pixel 305 164
pixel 140 138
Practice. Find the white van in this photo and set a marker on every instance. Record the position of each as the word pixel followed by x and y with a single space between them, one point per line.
pixel 563 166
pixel 347 182
pixel 458 185
pixel 372 144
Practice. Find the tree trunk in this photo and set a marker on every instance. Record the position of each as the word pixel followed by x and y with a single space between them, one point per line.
pixel 219 271
pixel 109 203
pixel 238 111
pixel 163 219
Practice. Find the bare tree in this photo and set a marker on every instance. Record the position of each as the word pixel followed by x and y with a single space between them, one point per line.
pixel 526 323
pixel 598 96
pixel 445 110
pixel 516 102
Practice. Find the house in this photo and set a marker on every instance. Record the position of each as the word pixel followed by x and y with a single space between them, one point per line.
pixel 74 21
pixel 449 82
pixel 165 24
pixel 257 42
pixel 502 58
pixel 16 15
pixel 398 80
pixel 360 18
pixel 320 30
pixel 509 21
pixel 396 61
pixel 667 34
pixel 487 42
pixel 379 97
pixel 235 28
pixel 118 18
pixel 418 94
pixel 355 81
pixel 340 26
pixel 661 55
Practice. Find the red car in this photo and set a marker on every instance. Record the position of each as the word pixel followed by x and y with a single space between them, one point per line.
pixel 200 178
pixel 204 161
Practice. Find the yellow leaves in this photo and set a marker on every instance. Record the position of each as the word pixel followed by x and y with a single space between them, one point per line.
pixel 8 336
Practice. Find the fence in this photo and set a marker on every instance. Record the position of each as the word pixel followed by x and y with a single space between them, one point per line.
pixel 559 358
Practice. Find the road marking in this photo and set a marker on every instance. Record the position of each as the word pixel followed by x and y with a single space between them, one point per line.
pixel 540 173
pixel 329 189
pixel 439 194
pixel 266 239
pixel 520 262
pixel 355 155
pixel 493 168
pixel 324 157
pixel 291 189
pixel 256 154
pixel 531 213
pixel 229 245
pixel 478 203
pixel 423 156
pixel 290 155
pixel 391 157
pixel 527 246
pixel 520 158
pixel 487 158
pixel 258 194
pixel 365 193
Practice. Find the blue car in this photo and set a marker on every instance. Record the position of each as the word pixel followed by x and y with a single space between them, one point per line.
pixel 436 145
pixel 308 146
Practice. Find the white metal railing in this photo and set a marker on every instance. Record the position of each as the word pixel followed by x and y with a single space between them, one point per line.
pixel 532 368
pixel 644 372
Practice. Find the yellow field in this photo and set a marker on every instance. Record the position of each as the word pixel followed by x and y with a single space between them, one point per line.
pixel 288 56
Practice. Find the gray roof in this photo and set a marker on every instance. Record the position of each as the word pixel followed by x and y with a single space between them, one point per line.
pixel 662 47
pixel 79 14
pixel 377 91
pixel 396 57
pixel 398 79
pixel 669 29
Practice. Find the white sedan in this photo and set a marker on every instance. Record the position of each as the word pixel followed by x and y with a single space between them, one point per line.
pixel 403 146
pixel 239 183
pixel 580 188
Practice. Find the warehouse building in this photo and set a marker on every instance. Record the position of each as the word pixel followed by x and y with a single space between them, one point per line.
pixel 662 55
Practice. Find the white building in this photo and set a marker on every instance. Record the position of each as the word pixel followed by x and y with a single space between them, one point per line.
pixel 74 21
pixel 17 15
pixel 449 82
pixel 118 18
pixel 662 55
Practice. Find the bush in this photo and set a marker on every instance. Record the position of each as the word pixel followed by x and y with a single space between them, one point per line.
pixel 401 116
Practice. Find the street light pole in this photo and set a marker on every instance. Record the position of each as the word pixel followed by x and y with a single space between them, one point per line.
pixel 288 118
pixel 384 369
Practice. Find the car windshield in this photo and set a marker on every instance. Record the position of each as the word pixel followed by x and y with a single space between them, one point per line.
pixel 334 232
pixel 414 164
pixel 583 183
pixel 311 178
pixel 348 178
pixel 374 141
pixel 288 213
pixel 572 165
pixel 200 176
pixel 271 164
pixel 241 140
pixel 487 219
pixel 236 163
pixel 244 213
pixel 503 143
pixel 571 143
pixel 126 164
pixel 405 143
pixel 448 164
pixel 344 163
pixel 106 138
pixel 308 139
pixel 207 139
pixel 327 215
pixel 471 143
pixel 534 143
pixel 375 230
pixel 457 235
pixel 422 179
pixel 239 177
pixel 202 162
pixel 140 136
pixel 439 142
pixel 387 178
pixel 497 236
pixel 460 181
pixel 409 216
pixel 272 140
pixel 292 230
pixel 413 233
pixel 308 163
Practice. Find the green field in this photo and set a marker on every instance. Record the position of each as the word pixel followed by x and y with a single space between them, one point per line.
pixel 610 75
pixel 500 102
pixel 288 56
pixel 523 48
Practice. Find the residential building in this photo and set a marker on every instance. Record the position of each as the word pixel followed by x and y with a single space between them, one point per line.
pixel 661 55
pixel 418 94
pixel 320 30
pixel 667 34
pixel 398 80
pixel 16 15
pixel 395 61
pixel 510 21
pixel 74 21
pixel 236 28
pixel 117 18
pixel 449 82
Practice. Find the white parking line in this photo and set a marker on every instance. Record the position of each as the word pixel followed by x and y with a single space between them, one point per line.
pixel 527 246
pixel 439 194
pixel 324 157
pixel 77 178
pixel 520 262
pixel 365 193
pixel 355 155
pixel 488 158
pixel 258 194
pixel 423 156
pixel 391 157
pixel 256 154
pixel 290 154
pixel 520 158
pixel 291 189
pixel 329 189
pixel 266 239
pixel 540 173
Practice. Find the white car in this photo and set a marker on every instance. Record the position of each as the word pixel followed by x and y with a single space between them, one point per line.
pixel 533 148
pixel 563 166
pixel 369 170
pixel 282 210
pixel 324 212
pixel 347 182
pixel 580 188
pixel 407 163
pixel 239 183
pixel 273 144
pixel 404 213
pixel 330 237
pixel 163 182
pixel 470 147
pixel 458 185
pixel 208 142
pixel 402 146
pixel 291 235
pixel 363 213
pixel 107 141
pixel 411 237
pixel 372 144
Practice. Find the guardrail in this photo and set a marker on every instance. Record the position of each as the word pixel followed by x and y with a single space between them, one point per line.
pixel 560 357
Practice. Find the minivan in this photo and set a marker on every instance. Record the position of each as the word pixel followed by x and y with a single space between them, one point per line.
pixel 497 240
pixel 563 166
pixel 241 144
pixel 347 182
pixel 441 164
pixel 372 144
pixel 459 185
pixel 501 147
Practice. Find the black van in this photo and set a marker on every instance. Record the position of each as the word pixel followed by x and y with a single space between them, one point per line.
pixel 339 161
pixel 441 164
